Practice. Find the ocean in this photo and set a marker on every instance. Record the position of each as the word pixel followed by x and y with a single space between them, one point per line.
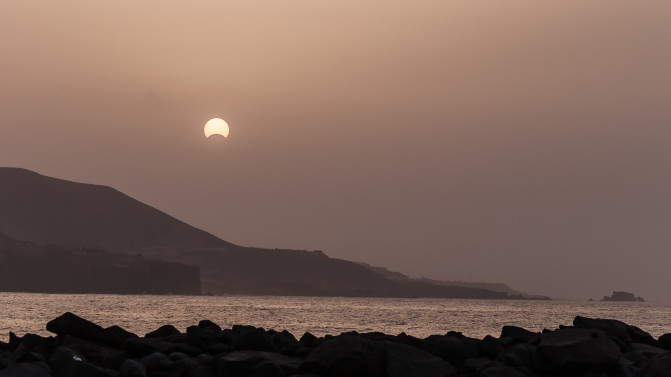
pixel 24 313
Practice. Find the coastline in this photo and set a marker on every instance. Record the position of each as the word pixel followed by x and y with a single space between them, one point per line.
pixel 79 347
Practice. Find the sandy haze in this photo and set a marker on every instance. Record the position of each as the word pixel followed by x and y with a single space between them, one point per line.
pixel 525 142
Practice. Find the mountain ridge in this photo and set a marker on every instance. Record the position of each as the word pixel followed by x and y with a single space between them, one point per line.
pixel 51 210
pixel 80 216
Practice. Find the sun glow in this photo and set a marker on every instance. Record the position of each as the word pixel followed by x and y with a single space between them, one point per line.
pixel 216 126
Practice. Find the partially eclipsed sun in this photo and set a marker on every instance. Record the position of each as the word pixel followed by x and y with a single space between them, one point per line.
pixel 216 126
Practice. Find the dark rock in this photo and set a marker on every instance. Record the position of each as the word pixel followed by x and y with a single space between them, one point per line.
pixel 616 329
pixel 187 363
pixel 200 372
pixel 72 324
pixel 209 326
pixel 138 347
pixel 162 332
pixel 579 349
pixel 202 338
pixel 344 356
pixel 267 369
pixel 118 335
pixel 64 362
pixel 156 361
pixel 453 349
pixel 282 339
pixel 242 363
pixel 132 368
pixel 500 370
pixel 477 364
pixel 665 341
pixel 490 347
pixel 309 340
pixel 176 356
pixel 187 349
pixel 409 340
pixel 518 334
pixel 99 354
pixel 659 366
pixel 519 354
pixel 255 340
pixel 646 350
pixel 26 370
pixel 29 357
pixel 407 361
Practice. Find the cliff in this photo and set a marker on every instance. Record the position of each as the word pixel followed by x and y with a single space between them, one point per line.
pixel 29 267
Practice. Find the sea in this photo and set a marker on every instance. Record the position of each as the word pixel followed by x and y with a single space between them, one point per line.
pixel 23 313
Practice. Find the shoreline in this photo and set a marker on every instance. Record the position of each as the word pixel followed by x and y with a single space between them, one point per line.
pixel 79 347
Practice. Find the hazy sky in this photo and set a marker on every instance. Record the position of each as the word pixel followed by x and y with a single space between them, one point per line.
pixel 526 142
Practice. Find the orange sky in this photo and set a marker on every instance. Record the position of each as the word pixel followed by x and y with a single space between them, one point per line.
pixel 525 142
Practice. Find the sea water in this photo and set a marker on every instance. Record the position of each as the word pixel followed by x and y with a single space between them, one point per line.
pixel 24 313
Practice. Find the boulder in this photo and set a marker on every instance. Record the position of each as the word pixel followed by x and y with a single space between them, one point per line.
pixel 579 349
pixel 162 332
pixel 309 340
pixel 616 329
pixel 659 366
pixel 490 347
pixel 346 356
pixel 242 363
pixel 501 370
pixel 453 349
pixel 665 341
pixel 254 339
pixel 72 324
pixel 65 362
pixel 132 368
pixel 118 335
pixel 402 360
pixel 156 361
pixel 26 370
pixel 518 335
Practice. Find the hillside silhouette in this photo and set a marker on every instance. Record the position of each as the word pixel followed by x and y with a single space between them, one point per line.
pixel 96 219
pixel 30 267
pixel 49 210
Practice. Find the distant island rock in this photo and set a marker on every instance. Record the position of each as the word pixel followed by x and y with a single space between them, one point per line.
pixel 101 229
pixel 623 296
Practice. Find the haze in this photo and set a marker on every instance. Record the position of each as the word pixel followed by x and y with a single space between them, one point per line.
pixel 523 142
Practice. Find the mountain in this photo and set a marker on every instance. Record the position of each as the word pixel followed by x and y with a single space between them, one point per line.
pixel 88 217
pixel 49 210
pixel 30 267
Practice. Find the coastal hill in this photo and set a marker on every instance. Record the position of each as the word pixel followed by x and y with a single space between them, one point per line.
pixel 49 210
pixel 77 216
pixel 30 267
pixel 496 287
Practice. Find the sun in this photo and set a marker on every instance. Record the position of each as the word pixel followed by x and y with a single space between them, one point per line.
pixel 216 126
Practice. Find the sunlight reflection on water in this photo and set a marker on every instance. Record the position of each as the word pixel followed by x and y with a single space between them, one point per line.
pixel 28 313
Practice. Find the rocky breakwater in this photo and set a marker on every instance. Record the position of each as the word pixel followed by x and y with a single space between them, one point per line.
pixel 590 347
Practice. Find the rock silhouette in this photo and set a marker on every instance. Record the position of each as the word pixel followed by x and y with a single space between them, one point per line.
pixel 592 347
